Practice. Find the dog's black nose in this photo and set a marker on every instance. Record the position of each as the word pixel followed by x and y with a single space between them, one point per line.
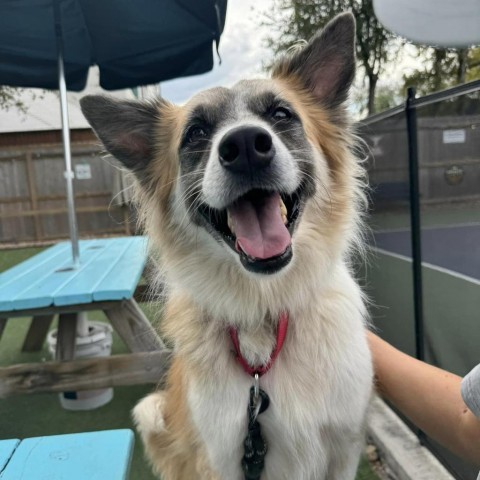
pixel 246 149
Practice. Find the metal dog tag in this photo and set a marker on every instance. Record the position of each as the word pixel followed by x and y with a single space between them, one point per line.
pixel 255 447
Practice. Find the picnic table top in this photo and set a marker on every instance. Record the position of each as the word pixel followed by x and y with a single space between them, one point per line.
pixel 109 270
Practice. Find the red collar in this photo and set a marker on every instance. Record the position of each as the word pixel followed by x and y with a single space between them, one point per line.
pixel 261 370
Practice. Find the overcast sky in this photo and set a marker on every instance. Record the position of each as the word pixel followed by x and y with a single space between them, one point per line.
pixel 243 53
pixel 241 49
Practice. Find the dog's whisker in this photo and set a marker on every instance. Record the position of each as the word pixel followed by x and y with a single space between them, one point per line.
pixel 191 192
pixel 179 178
pixel 196 152
pixel 287 130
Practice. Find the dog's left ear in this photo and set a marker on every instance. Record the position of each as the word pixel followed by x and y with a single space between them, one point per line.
pixel 125 127
pixel 326 65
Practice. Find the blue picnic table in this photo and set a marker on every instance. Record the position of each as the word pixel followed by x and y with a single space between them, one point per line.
pixel 47 285
pixel 104 455
pixel 109 270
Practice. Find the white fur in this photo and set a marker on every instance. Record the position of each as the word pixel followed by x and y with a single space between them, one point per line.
pixel 319 390
pixel 147 414
pixel 321 382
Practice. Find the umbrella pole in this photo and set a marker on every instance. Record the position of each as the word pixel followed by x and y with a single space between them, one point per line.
pixel 69 175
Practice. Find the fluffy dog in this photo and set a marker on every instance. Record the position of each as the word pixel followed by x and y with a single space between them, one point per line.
pixel 252 197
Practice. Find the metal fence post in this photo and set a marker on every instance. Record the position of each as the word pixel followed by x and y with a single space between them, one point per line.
pixel 411 115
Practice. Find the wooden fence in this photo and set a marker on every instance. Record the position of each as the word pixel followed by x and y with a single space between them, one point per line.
pixel 33 205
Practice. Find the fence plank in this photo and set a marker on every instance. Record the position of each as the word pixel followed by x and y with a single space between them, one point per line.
pixel 58 211
pixel 33 204
pixel 33 195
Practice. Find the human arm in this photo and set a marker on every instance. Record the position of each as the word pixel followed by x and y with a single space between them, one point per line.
pixel 430 397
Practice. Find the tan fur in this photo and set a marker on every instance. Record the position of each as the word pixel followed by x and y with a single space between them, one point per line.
pixel 335 141
pixel 161 173
pixel 329 224
pixel 172 444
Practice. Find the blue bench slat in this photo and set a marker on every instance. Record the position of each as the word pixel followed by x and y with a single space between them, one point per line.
pixel 125 273
pixel 7 448
pixel 42 292
pixel 82 287
pixel 102 455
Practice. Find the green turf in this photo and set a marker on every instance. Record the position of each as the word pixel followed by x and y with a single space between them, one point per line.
pixel 365 471
pixel 41 414
pixel 9 258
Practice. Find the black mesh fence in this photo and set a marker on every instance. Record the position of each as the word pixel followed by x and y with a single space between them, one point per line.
pixel 423 275
pixel 390 287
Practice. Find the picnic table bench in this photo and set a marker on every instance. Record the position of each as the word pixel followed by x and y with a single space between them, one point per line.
pixel 103 455
pixel 106 279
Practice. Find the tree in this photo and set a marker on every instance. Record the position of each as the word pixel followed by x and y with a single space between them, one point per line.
pixel 386 96
pixel 294 20
pixel 473 60
pixel 14 98
pixel 9 98
pixel 444 68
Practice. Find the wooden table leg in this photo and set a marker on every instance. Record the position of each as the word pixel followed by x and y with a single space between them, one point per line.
pixel 3 323
pixel 37 333
pixel 134 327
pixel 66 335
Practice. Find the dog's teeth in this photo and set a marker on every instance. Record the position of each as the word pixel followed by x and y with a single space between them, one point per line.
pixel 283 211
pixel 230 222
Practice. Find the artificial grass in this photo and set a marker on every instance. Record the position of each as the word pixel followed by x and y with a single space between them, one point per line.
pixel 41 414
pixel 9 258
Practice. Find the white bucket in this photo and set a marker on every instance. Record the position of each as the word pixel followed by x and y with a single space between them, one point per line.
pixel 97 343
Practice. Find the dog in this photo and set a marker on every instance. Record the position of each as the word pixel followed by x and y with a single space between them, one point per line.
pixel 252 198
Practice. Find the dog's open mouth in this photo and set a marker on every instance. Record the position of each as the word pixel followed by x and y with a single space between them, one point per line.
pixel 259 227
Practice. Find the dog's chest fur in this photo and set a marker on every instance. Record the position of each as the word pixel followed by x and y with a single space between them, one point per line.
pixel 318 388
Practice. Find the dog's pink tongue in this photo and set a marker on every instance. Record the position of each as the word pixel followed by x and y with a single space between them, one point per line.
pixel 259 226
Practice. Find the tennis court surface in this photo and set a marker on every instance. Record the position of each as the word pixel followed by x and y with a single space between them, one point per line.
pixel 453 247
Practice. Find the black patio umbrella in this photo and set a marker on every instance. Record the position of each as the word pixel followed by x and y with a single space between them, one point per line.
pixel 51 44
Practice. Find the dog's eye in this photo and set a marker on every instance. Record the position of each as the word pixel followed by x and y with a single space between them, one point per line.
pixel 195 133
pixel 281 113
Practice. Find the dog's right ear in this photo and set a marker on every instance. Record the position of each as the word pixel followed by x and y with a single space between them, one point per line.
pixel 125 127
pixel 326 65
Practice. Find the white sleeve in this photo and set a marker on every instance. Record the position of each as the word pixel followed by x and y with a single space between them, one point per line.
pixel 471 390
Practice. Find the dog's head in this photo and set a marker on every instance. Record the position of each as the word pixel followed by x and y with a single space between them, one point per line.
pixel 243 168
